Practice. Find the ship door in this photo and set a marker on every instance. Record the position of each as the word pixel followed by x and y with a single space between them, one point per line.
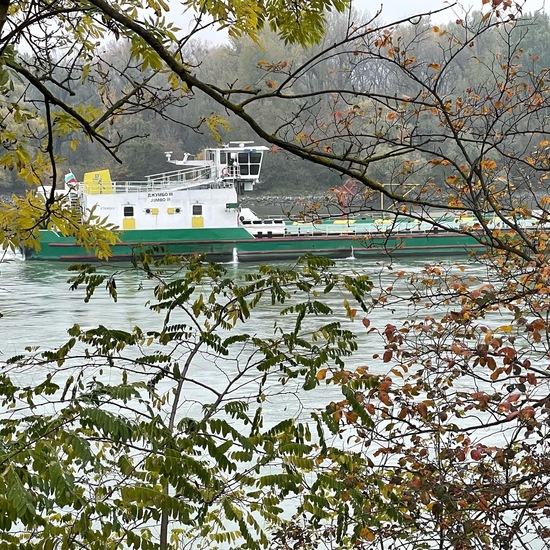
pixel 197 219
pixel 129 221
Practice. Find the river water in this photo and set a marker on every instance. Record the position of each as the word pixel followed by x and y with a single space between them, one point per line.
pixel 37 308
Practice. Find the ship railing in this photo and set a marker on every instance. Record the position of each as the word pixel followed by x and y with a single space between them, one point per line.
pixel 386 227
pixel 208 176
pixel 189 177
pixel 141 186
pixel 230 172
pixel 370 227
pixel 389 228
pixel 198 173
pixel 189 174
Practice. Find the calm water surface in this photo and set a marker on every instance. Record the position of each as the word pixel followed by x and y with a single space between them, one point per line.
pixel 37 308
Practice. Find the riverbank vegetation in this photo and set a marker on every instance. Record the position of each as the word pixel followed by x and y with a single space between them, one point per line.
pixel 140 135
pixel 436 436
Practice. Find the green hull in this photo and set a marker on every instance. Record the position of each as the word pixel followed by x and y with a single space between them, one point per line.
pixel 235 243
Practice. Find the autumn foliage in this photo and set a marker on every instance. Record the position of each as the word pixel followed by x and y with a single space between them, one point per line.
pixel 431 384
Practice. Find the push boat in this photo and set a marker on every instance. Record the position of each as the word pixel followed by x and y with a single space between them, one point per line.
pixel 195 209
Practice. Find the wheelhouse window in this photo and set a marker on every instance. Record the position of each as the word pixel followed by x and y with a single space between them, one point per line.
pixel 249 163
pixel 128 211
pixel 197 210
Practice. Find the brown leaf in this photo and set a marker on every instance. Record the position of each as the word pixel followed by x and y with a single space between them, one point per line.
pixel 385 398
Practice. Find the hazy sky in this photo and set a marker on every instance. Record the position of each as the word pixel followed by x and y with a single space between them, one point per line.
pixel 393 10
pixel 396 9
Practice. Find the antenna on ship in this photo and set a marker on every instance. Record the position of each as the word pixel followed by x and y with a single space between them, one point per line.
pixel 240 143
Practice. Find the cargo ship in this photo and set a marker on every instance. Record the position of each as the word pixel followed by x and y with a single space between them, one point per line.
pixel 195 209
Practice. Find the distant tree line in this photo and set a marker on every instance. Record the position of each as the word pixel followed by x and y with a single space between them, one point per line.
pixel 178 122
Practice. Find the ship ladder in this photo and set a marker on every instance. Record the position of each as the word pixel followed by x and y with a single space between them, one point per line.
pixel 75 204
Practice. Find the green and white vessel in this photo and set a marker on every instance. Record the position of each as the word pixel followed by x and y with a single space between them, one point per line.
pixel 195 209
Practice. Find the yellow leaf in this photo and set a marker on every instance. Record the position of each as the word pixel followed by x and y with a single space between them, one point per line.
pixel 496 374
pixel 367 534
pixel 488 164
pixel 321 374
